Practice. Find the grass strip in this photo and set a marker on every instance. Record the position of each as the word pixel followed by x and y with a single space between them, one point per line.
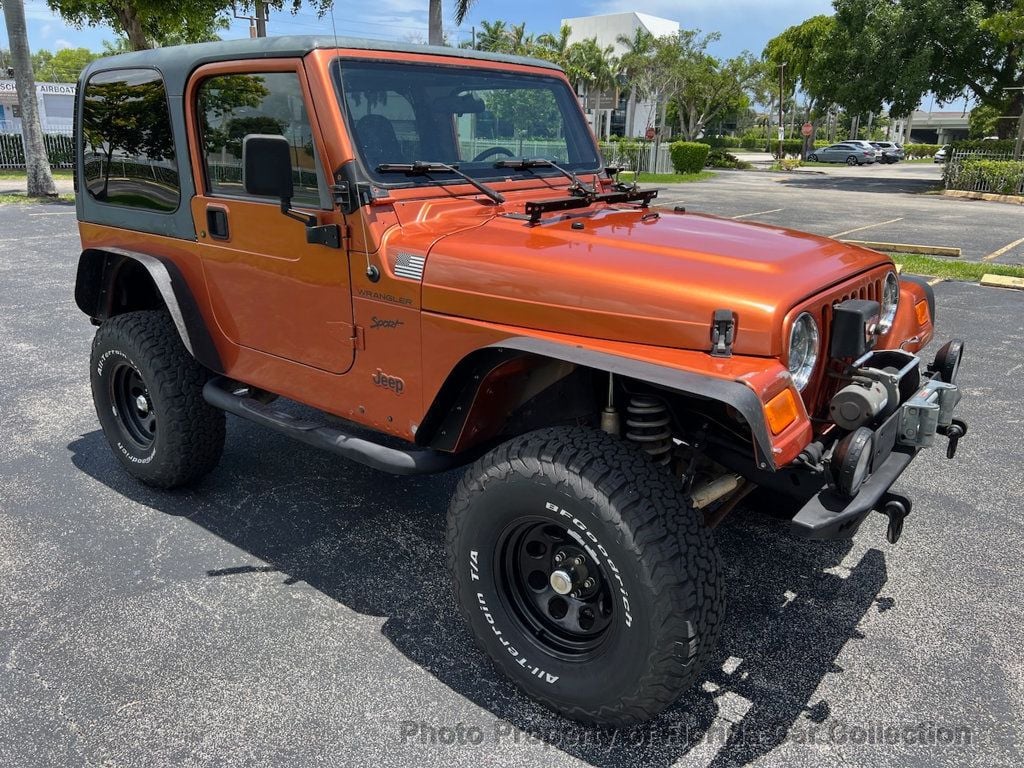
pixel 919 264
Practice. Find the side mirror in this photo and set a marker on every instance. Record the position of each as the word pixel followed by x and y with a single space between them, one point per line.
pixel 267 167
pixel 267 172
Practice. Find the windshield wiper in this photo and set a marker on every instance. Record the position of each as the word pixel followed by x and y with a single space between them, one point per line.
pixel 577 188
pixel 422 168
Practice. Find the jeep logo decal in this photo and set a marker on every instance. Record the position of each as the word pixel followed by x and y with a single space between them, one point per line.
pixel 394 383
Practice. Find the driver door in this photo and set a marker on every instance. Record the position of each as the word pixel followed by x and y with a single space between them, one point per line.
pixel 270 290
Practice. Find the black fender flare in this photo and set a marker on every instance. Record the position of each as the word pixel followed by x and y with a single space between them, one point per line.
pixel 97 272
pixel 733 393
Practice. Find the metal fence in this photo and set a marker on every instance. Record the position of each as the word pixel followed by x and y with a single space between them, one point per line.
pixel 984 171
pixel 60 148
pixel 639 157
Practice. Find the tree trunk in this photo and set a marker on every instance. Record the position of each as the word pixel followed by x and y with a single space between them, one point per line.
pixel 630 112
pixel 37 166
pixel 132 26
pixel 435 34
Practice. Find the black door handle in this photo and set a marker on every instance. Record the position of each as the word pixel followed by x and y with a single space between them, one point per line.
pixel 217 223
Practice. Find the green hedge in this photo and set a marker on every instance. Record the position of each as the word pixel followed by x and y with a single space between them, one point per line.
pixel 688 156
pixel 722 142
pixel 921 150
pixel 990 145
pixel 1003 177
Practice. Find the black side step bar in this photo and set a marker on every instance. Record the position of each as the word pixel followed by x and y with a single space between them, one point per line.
pixel 220 393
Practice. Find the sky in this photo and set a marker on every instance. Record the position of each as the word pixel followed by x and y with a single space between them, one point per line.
pixel 743 24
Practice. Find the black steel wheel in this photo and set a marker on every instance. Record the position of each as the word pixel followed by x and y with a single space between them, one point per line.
pixel 557 589
pixel 584 574
pixel 133 406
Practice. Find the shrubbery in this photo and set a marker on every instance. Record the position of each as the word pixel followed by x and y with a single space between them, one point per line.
pixel 921 150
pixel 719 158
pixel 688 156
pixel 985 145
pixel 1003 177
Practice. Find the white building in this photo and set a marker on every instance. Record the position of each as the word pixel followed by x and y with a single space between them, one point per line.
pixel 56 107
pixel 629 120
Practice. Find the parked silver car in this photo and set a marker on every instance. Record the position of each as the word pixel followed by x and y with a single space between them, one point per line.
pixel 846 152
pixel 888 151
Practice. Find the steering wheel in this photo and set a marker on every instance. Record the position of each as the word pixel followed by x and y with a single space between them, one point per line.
pixel 492 151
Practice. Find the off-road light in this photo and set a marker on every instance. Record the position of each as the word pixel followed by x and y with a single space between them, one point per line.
pixel 803 349
pixel 947 360
pixel 851 460
pixel 890 302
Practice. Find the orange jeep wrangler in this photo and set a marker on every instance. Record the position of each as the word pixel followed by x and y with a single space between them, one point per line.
pixel 423 247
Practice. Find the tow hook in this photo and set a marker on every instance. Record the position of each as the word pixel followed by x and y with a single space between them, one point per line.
pixel 956 429
pixel 896 508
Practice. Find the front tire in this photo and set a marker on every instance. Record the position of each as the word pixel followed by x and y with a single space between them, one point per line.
pixel 585 575
pixel 813 158
pixel 148 392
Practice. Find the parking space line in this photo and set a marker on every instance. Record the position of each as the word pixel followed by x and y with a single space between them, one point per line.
pixel 866 226
pixel 757 213
pixel 1004 249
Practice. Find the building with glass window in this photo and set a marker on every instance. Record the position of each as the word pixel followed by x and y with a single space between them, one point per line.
pixel 56 107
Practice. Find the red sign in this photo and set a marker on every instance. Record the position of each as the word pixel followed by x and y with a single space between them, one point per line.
pixel 807 129
pixel 650 134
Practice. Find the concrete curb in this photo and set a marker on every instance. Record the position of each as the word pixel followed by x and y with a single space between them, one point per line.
pixel 968 195
pixel 930 250
pixel 1003 281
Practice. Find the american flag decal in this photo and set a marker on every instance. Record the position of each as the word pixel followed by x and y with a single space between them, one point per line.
pixel 407 265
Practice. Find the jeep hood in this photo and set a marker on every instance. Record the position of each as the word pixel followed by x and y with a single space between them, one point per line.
pixel 634 275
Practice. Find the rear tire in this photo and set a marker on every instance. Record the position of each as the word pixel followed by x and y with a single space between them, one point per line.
pixel 851 160
pixel 148 392
pixel 646 603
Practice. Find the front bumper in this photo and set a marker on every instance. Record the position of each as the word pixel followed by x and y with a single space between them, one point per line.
pixel 926 401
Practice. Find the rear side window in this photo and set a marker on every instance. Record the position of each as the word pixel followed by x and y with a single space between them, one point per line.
pixel 232 107
pixel 129 146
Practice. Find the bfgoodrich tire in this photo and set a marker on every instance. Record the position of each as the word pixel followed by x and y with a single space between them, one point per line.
pixel 148 392
pixel 584 574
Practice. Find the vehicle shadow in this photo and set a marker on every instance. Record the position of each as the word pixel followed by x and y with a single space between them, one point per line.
pixel 375 543
pixel 865 183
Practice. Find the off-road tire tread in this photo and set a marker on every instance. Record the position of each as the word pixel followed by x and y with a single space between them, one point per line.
pixel 194 429
pixel 656 524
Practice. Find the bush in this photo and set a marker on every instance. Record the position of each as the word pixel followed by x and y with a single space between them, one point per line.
pixel 921 150
pixel 719 158
pixel 787 164
pixel 1003 177
pixel 688 156
pixel 991 145
pixel 727 142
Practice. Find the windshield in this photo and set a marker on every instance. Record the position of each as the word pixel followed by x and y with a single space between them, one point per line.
pixel 471 118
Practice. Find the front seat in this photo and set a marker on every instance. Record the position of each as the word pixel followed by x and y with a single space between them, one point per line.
pixel 377 141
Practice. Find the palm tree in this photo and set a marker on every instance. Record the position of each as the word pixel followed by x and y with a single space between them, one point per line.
pixel 435 19
pixel 555 47
pixel 637 56
pixel 493 37
pixel 37 166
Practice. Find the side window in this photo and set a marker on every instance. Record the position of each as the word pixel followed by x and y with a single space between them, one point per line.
pixel 385 127
pixel 234 106
pixel 129 146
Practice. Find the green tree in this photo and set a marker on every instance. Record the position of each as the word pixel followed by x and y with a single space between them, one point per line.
pixel 899 50
pixel 151 23
pixel 37 166
pixel 64 66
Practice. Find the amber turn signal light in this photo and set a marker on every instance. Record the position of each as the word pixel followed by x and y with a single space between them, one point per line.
pixel 781 411
pixel 922 312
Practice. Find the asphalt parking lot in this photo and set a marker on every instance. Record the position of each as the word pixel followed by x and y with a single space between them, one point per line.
pixel 885 203
pixel 294 610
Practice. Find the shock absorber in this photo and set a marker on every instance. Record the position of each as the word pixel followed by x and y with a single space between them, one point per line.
pixel 647 425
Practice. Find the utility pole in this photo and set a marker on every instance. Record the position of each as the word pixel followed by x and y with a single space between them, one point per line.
pixel 782 105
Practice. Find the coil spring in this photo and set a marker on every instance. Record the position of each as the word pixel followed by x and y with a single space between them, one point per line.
pixel 647 425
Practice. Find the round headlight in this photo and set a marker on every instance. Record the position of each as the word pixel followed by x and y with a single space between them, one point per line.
pixel 803 349
pixel 890 301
